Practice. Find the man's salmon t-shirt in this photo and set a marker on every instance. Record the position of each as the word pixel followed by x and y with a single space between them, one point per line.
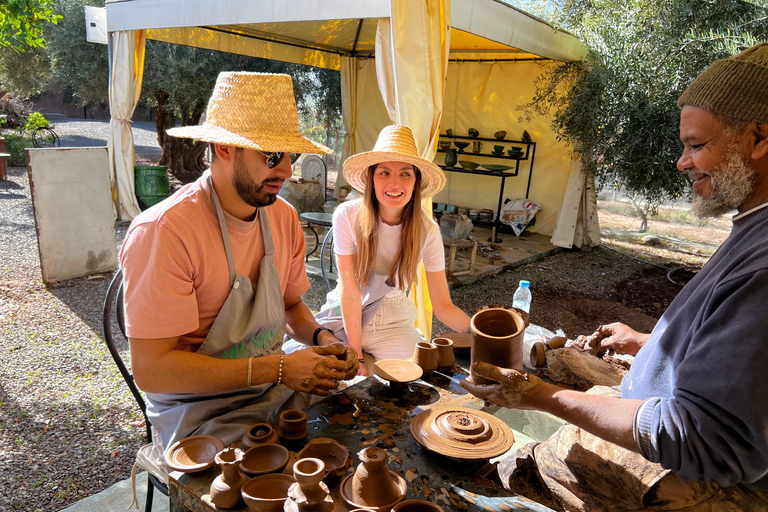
pixel 175 269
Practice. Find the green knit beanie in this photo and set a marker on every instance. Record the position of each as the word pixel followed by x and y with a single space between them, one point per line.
pixel 736 87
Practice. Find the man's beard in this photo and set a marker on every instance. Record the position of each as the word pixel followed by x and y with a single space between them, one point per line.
pixel 730 185
pixel 249 191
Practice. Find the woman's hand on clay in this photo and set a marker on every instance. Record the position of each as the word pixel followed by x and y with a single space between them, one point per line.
pixel 314 370
pixel 348 355
pixel 512 389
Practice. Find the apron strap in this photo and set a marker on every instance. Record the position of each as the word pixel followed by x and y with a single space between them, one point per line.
pixel 266 232
pixel 225 232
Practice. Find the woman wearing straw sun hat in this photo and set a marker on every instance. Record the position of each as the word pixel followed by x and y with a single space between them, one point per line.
pixel 379 241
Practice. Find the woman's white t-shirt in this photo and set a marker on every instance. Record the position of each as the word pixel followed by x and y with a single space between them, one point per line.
pixel 388 242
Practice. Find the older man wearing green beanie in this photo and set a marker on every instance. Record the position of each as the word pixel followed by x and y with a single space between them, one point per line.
pixel 690 428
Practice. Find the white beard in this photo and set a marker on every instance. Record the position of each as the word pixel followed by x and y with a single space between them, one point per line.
pixel 730 185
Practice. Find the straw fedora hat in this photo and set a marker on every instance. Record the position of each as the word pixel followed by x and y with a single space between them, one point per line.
pixel 253 111
pixel 395 144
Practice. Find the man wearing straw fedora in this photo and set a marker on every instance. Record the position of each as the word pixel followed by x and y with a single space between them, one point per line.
pixel 214 276
pixel 690 430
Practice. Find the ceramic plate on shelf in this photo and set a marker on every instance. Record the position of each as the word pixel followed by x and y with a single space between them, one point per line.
pixel 496 167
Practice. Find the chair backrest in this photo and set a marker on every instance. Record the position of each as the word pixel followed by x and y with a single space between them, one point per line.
pixel 313 168
pixel 113 313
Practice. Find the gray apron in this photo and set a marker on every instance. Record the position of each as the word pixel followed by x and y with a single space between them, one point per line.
pixel 251 323
pixel 372 296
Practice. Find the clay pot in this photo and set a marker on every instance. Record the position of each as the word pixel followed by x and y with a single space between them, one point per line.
pixel 497 338
pixel 267 493
pixel 225 488
pixel 372 483
pixel 417 506
pixel 425 355
pixel 309 493
pixel 335 457
pixel 264 459
pixel 293 427
pixel 260 433
pixel 445 357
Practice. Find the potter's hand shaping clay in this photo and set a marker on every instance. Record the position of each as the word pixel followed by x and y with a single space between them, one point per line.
pixel 348 355
pixel 617 337
pixel 307 370
pixel 513 388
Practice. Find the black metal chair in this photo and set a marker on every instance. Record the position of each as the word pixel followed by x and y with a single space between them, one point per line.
pixel 113 312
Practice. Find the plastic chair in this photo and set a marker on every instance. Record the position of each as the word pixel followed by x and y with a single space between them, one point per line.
pixel 113 312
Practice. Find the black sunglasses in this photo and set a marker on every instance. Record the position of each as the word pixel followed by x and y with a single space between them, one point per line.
pixel 275 158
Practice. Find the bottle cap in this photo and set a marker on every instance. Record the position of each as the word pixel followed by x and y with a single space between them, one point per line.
pixel 525 284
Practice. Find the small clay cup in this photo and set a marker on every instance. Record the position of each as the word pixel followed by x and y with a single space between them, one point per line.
pixel 264 459
pixel 445 357
pixel 425 355
pixel 267 493
pixel 260 433
pixel 417 506
pixel 444 144
pixel 497 338
pixel 293 427
pixel 538 356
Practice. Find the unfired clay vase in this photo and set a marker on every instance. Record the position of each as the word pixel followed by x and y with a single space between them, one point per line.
pixel 225 488
pixel 417 506
pixel 372 483
pixel 267 493
pixel 264 459
pixel 445 357
pixel 335 457
pixel 309 493
pixel 293 427
pixel 425 355
pixel 260 433
pixel 497 338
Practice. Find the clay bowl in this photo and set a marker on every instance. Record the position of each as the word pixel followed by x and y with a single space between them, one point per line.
pixel 334 455
pixel 264 459
pixel 500 134
pixel 461 145
pixel 267 493
pixel 469 165
pixel 345 491
pixel 193 454
pixel 417 506
pixel 397 371
pixel 444 145
pixel 260 433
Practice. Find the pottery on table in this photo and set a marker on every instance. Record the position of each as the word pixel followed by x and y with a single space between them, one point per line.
pixel 469 165
pixel 335 457
pixel 451 157
pixel 500 134
pixel 497 338
pixel 264 459
pixel 473 133
pixel 476 146
pixel 373 484
pixel 259 433
pixel 417 506
pixel 267 493
pixel 444 144
pixel 225 488
pixel 193 454
pixel 461 145
pixel 425 355
pixel 293 427
pixel 461 433
pixel 538 355
pixel 445 356
pixel 397 371
pixel 309 493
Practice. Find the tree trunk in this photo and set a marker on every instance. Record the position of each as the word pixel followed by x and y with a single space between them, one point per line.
pixel 185 158
pixel 643 214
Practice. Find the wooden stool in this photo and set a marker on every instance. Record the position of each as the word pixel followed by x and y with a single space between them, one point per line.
pixel 457 243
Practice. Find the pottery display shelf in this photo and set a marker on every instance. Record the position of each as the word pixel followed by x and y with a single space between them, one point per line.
pixel 528 155
pixel 374 413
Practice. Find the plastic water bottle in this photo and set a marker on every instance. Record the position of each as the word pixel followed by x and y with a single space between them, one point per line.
pixel 522 297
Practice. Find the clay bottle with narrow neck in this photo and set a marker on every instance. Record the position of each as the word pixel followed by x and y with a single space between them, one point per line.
pixel 225 488
pixel 372 483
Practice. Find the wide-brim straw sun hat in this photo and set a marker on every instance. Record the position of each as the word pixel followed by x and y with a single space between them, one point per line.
pixel 253 111
pixel 395 144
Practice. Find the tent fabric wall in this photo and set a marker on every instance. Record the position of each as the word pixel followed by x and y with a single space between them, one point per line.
pixel 126 73
pixel 486 96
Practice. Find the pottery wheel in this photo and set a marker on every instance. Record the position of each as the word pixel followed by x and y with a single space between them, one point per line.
pixel 461 433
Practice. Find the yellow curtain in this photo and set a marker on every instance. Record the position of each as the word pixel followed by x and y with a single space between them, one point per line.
pixel 127 72
pixel 412 49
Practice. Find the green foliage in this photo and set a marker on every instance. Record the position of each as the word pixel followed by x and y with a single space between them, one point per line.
pixel 619 106
pixel 22 22
pixel 36 120
pixel 15 143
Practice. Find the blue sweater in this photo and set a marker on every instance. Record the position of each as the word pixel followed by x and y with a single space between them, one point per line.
pixel 703 374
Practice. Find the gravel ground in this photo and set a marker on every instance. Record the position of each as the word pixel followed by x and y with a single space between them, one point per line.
pixel 68 425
